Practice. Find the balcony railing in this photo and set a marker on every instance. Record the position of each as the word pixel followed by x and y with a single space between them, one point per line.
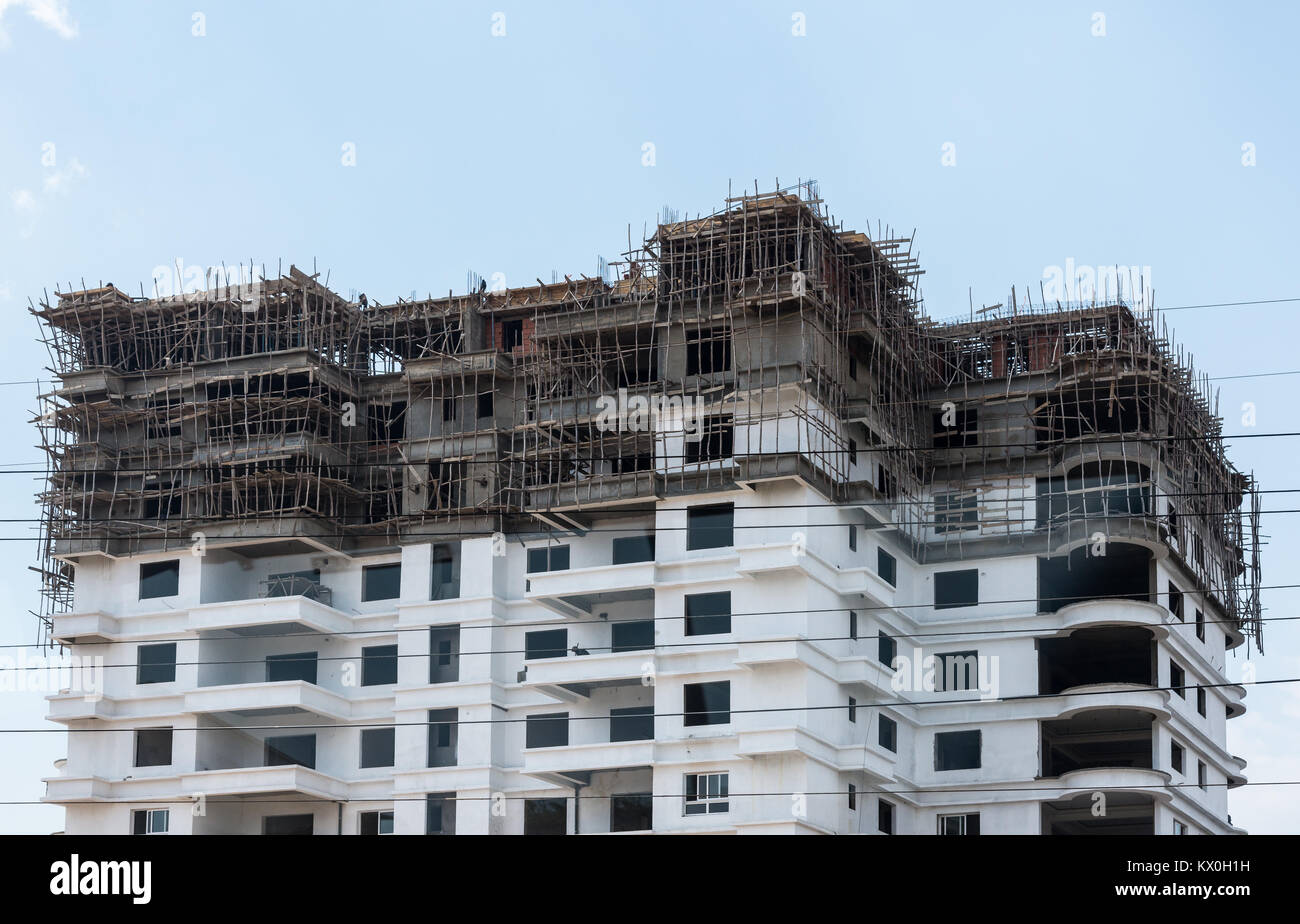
pixel 293 585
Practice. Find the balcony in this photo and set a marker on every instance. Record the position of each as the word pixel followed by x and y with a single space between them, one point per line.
pixel 1127 813
pixel 580 591
pixel 574 763
pixel 254 700
pixel 1097 739
pixel 574 678
pixel 1101 655
pixel 268 616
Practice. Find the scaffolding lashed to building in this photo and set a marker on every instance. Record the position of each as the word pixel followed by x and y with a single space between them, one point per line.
pixel 757 343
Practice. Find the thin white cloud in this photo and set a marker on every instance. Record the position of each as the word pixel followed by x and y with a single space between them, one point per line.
pixel 60 180
pixel 53 14
pixel 23 200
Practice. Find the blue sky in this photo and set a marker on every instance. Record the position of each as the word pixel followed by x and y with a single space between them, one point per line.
pixel 522 154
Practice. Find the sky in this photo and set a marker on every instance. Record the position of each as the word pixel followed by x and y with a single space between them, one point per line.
pixel 398 146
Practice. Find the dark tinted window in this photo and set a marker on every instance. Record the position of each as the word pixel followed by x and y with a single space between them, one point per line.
pixel 377 747
pixel 1176 756
pixel 291 749
pixel 631 812
pixel 957 670
pixel 1200 700
pixel 885 817
pixel 549 643
pixel 633 635
pixel 632 723
pixel 378 665
pixel 708 614
pixel 545 816
pixel 887 567
pixel 444 654
pixel 956 588
pixel 371 823
pixel 708 351
pixel 153 747
pixel 888 736
pixel 549 730
pixel 548 558
pixel 381 582
pixel 710 527
pixel 440 813
pixel 1175 601
pixel 1178 679
pixel 443 736
pixel 959 750
pixel 888 650
pixel 707 703
pixel 301 666
pixel 853 625
pixel 156 663
pixel 288 824
pixel 628 549
pixel 160 579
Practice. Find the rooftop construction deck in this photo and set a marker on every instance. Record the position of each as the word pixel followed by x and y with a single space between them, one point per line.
pixel 280 415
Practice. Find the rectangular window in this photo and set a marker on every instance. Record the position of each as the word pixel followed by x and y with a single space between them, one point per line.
pixel 153 747
pixel 708 351
pixel 547 643
pixel 160 579
pixel 632 635
pixel 885 817
pixel 707 703
pixel 708 614
pixel 888 734
pixel 1200 700
pixel 631 812
pixel 155 663
pixel 291 750
pixel 546 816
pixel 378 665
pixel 958 750
pixel 440 813
pixel 957 670
pixel 548 558
pixel 377 746
pixel 629 549
pixel 716 441
pixel 887 567
pixel 960 824
pixel 1179 827
pixel 706 794
pixel 297 825
pixel 372 823
pixel 381 582
pixel 443 735
pixel 548 730
pixel 888 650
pixel 484 408
pixel 150 821
pixel 300 666
pixel 853 538
pixel 1177 679
pixel 1200 625
pixel 710 526
pixel 853 625
pixel 853 709
pixel 955 512
pixel 1176 756
pixel 1202 776
pixel 853 451
pixel 449 409
pixel 444 654
pixel 1175 601
pixel 954 429
pixel 632 723
pixel 512 335
pixel 953 589
pixel 853 798
pixel 445 567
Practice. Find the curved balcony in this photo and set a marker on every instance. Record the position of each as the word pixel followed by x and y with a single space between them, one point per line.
pixel 1101 738
pixel 1098 655
pixel 1127 813
pixel 1085 614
